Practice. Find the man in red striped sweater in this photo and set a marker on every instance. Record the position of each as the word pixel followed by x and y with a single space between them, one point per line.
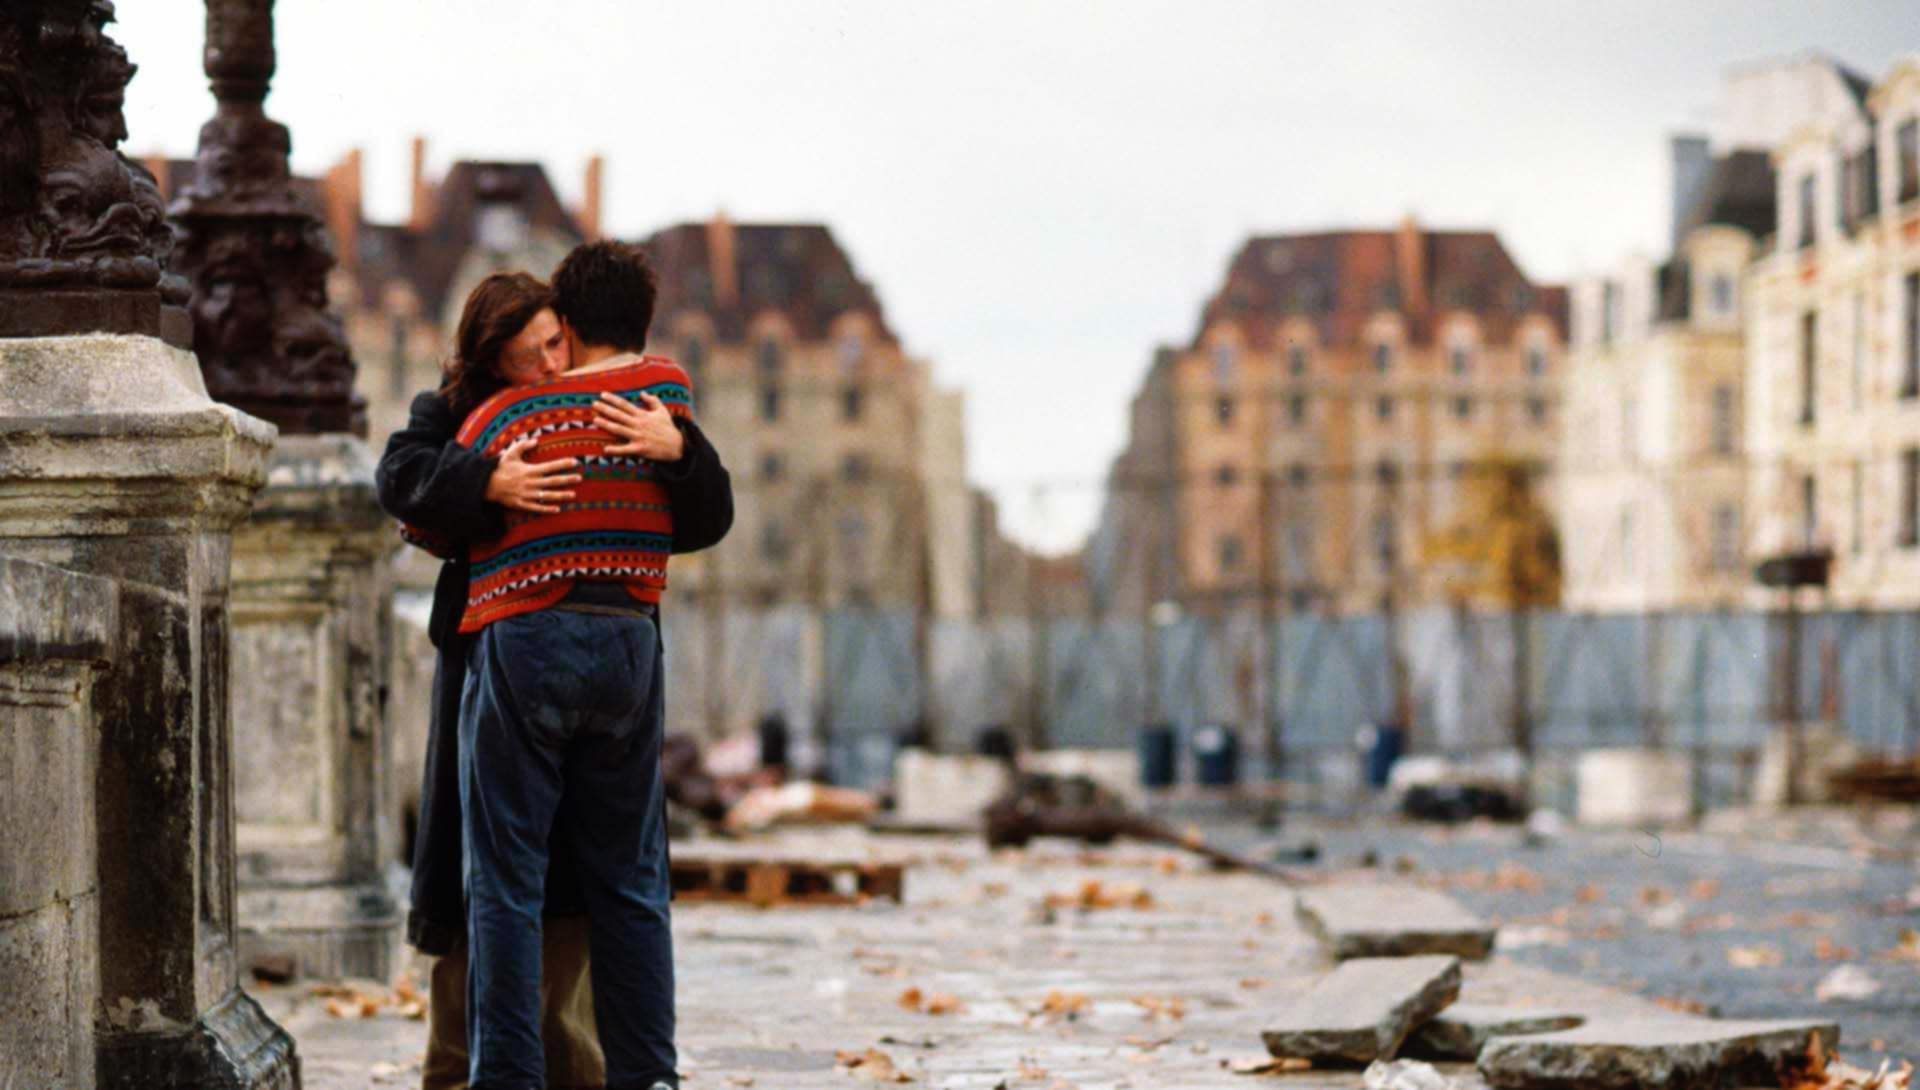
pixel 561 716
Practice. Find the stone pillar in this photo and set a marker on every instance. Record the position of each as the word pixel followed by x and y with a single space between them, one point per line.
pixel 115 463
pixel 57 630
pixel 312 617
pixel 311 601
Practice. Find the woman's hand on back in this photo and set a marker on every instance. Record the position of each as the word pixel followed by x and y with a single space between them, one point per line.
pixel 537 487
pixel 646 429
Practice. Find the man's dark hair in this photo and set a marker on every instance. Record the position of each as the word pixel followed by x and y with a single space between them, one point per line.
pixel 604 290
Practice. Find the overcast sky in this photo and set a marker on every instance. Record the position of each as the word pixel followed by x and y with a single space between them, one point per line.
pixel 1040 191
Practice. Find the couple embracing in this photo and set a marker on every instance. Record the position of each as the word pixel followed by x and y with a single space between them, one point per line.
pixel 555 470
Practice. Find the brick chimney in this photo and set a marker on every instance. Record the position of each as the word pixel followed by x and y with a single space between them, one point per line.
pixel 726 276
pixel 422 212
pixel 590 200
pixel 340 190
pixel 1410 253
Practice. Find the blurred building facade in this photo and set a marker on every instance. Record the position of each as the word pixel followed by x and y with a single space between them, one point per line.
pixel 1833 337
pixel 1327 422
pixel 1758 391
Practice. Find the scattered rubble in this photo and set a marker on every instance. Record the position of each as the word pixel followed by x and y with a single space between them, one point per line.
pixel 1370 921
pixel 1462 1030
pixel 1405 1075
pixel 1655 1054
pixel 1364 1010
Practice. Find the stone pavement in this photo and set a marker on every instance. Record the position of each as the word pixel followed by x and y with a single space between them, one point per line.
pixel 1050 994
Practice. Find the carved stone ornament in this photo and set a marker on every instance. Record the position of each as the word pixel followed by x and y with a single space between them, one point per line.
pixel 256 252
pixel 75 214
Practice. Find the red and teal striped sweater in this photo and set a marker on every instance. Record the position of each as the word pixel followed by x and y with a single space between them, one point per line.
pixel 619 525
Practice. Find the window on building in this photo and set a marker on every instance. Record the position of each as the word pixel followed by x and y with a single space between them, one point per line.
pixel 1229 552
pixel 1910 336
pixel 1382 357
pixel 852 526
pixel 1463 407
pixel 397 355
pixel 1223 360
pixel 1806 210
pixel 1809 365
pixel 1536 360
pixel 1385 540
pixel 1298 475
pixel 1720 294
pixel 853 348
pixel 1626 540
pixel 1725 546
pixel 1844 213
pixel 1859 507
pixel 1383 407
pixel 768 357
pixel 1906 143
pixel 1723 429
pixel 1226 476
pixel 1459 359
pixel 774 545
pixel 1296 359
pixel 852 401
pixel 693 356
pixel 1609 307
pixel 855 469
pixel 772 466
pixel 1297 409
pixel 1537 409
pixel 1223 409
pixel 1809 511
pixel 1909 498
pixel 770 403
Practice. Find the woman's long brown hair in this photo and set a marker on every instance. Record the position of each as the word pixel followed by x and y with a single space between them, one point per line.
pixel 498 308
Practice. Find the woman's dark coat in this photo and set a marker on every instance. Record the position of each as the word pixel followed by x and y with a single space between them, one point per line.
pixel 427 479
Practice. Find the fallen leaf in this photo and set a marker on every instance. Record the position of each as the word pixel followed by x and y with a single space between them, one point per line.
pixel 1170 1007
pixel 1650 896
pixel 1683 1006
pixel 872 1065
pixel 1589 894
pixel 911 999
pixel 1908 948
pixel 1059 1004
pixel 1758 956
pixel 1703 889
pixel 942 1003
pixel 1284 1065
pixel 1252 982
pixel 1826 949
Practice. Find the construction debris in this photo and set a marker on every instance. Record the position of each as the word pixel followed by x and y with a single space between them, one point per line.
pixel 1364 1010
pixel 1655 1054
pixel 1405 1075
pixel 770 882
pixel 1375 920
pixel 799 804
pixel 1040 804
pixel 1878 779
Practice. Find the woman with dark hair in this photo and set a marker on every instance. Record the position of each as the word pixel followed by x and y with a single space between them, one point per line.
pixel 509 335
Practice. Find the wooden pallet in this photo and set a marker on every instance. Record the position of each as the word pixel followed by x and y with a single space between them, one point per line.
pixel 769 882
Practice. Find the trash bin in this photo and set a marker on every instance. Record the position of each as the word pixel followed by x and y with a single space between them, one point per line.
pixel 1380 745
pixel 1216 753
pixel 1157 754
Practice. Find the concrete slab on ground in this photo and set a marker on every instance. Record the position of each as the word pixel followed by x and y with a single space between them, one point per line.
pixel 1463 1029
pixel 1364 1009
pixel 1381 920
pixel 1653 1054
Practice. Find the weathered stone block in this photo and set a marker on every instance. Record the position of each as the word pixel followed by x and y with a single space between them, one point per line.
pixel 1462 1030
pixel 1653 1054
pixel 1364 1010
pixel 1632 787
pixel 1372 920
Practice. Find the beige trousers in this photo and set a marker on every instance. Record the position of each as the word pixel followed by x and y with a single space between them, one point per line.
pixel 574 1060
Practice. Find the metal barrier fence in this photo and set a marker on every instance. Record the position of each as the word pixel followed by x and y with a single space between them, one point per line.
pixel 852 683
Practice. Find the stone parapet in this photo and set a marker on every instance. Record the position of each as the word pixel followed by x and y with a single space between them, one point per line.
pixel 57 630
pixel 312 621
pixel 114 463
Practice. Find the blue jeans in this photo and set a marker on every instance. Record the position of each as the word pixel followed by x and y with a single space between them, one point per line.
pixel 560 727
